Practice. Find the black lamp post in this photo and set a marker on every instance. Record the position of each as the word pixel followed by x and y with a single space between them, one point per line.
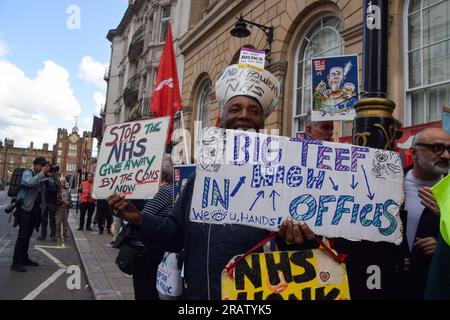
pixel 240 31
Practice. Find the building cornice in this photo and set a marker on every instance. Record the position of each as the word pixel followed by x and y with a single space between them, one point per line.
pixel 211 20
pixel 131 11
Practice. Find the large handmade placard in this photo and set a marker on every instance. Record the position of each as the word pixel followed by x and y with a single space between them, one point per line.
pixel 287 275
pixel 339 190
pixel 130 159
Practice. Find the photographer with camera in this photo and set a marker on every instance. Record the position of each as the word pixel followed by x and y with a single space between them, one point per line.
pixel 32 204
pixel 49 215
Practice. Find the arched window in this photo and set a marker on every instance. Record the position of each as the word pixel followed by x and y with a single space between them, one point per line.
pixel 204 103
pixel 427 67
pixel 323 39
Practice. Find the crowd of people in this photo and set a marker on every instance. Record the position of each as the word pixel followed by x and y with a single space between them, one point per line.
pixel 155 226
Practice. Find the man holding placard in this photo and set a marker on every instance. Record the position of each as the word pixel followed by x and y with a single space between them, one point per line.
pixel 246 98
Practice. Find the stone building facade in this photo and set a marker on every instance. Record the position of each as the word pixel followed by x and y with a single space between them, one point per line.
pixel 12 157
pixel 418 59
pixel 136 47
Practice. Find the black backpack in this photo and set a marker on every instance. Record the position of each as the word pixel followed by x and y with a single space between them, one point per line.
pixel 15 182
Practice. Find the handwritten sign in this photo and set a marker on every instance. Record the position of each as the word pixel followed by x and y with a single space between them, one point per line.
pixel 130 159
pixel 287 275
pixel 339 190
pixel 252 58
pixel 335 88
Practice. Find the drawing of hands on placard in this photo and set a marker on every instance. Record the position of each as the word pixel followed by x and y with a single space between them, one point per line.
pixel 212 149
pixel 386 165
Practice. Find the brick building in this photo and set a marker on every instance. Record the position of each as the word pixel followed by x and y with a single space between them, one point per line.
pixel 73 151
pixel 12 157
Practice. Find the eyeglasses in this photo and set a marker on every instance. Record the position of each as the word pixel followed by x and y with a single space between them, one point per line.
pixel 437 148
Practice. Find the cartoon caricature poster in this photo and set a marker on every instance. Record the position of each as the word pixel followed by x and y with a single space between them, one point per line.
pixel 334 88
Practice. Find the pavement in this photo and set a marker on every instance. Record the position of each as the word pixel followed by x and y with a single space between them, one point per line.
pixel 59 276
pixel 105 279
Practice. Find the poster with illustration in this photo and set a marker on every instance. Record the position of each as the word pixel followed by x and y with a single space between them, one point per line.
pixel 335 88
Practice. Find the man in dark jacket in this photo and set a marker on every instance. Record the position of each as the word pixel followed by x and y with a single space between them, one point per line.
pixel 32 199
pixel 209 248
pixel 49 216
pixel 431 163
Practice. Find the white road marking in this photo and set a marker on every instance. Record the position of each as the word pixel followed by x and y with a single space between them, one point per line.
pixel 5 245
pixel 50 256
pixel 62 269
pixel 52 247
pixel 33 294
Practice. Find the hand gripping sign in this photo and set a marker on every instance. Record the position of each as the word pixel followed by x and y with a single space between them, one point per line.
pixel 130 159
pixel 339 190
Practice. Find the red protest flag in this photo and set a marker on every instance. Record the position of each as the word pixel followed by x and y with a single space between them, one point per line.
pixel 166 93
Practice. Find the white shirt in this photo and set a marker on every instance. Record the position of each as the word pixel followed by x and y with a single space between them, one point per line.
pixel 413 205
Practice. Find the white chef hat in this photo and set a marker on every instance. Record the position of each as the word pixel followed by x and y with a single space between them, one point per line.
pixel 238 80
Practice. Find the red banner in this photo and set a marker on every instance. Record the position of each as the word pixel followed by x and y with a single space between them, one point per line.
pixel 166 93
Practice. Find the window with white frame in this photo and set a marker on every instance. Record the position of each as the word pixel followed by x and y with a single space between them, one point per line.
pixel 24 159
pixel 72 153
pixel 60 145
pixel 321 40
pixel 203 107
pixel 58 161
pixel 59 152
pixel 165 19
pixel 70 167
pixel 427 76
pixel 72 147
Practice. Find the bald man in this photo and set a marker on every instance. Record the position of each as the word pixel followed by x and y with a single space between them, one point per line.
pixel 318 130
pixel 431 157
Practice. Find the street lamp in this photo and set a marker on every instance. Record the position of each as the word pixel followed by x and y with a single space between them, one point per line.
pixel 240 31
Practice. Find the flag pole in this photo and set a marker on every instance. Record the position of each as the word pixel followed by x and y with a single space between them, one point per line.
pixel 184 139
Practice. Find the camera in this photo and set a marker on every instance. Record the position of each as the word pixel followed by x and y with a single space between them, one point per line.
pixel 52 168
pixel 15 204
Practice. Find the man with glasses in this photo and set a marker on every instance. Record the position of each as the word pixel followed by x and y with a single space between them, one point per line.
pixel 431 156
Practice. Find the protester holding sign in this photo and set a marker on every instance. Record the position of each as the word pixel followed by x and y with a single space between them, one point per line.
pixel 246 98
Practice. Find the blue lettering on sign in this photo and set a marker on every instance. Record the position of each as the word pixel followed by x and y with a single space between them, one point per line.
pixel 363 214
pixel 205 192
pixel 280 174
pixel 303 199
pixel 317 180
pixel 321 157
pixel 393 223
pixel 340 209
pixel 238 148
pixel 341 155
pixel 322 208
pixel 294 178
pixel 305 146
pixel 217 195
pixel 266 151
pixel 265 178
pixel 355 213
